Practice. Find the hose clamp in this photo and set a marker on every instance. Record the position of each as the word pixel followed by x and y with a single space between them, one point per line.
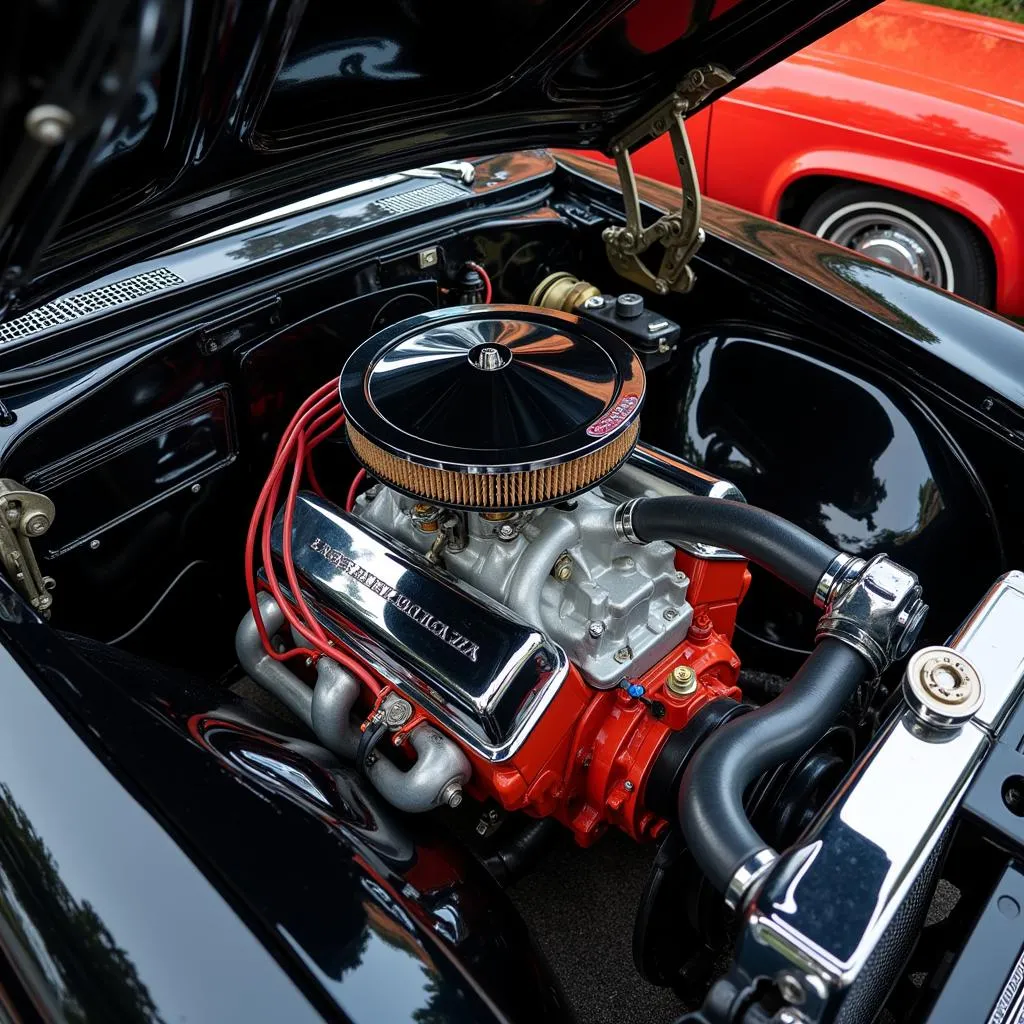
pixel 623 521
pixel 841 569
pixel 742 885
pixel 876 609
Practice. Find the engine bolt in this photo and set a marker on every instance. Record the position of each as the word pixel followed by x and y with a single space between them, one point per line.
pixel 623 654
pixel 790 989
pixel 669 614
pixel 397 711
pixel 451 794
pixel 628 786
pixel 596 630
pixel 682 681
pixel 36 524
pixel 425 517
pixel 49 124
pixel 562 569
pixel 506 531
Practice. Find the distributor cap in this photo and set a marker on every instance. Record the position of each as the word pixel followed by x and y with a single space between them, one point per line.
pixel 492 407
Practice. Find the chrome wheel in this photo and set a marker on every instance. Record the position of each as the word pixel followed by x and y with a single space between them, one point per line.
pixel 894 236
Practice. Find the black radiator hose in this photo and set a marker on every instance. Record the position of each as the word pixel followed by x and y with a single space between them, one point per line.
pixel 774 543
pixel 711 814
pixel 710 799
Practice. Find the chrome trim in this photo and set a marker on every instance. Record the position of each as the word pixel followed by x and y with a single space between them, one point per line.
pixel 742 884
pixel 485 674
pixel 454 170
pixel 842 568
pixel 1000 613
pixel 623 522
pixel 652 472
pixel 725 490
pixel 878 612
pixel 875 840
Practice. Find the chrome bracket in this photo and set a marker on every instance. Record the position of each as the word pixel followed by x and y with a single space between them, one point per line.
pixel 25 515
pixel 680 232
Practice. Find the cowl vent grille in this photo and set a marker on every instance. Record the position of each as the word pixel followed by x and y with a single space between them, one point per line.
pixel 421 198
pixel 74 307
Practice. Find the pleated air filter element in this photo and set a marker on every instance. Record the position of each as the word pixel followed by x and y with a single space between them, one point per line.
pixel 492 407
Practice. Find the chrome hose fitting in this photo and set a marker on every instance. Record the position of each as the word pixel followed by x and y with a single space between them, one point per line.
pixel 843 568
pixel 743 883
pixel 873 607
pixel 623 521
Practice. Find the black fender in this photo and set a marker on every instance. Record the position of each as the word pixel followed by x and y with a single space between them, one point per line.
pixel 168 851
pixel 838 448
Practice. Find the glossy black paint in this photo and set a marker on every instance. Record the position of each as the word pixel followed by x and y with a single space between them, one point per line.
pixel 842 451
pixel 183 857
pixel 984 972
pixel 864 405
pixel 190 114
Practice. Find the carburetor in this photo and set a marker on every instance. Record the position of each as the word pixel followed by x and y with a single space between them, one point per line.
pixel 614 607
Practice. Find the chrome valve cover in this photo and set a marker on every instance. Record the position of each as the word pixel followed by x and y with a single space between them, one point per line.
pixel 486 674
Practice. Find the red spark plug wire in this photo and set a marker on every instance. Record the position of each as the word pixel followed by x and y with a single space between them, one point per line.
pixel 357 480
pixel 317 418
pixel 488 290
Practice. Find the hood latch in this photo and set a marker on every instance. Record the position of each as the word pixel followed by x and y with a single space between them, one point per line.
pixel 679 233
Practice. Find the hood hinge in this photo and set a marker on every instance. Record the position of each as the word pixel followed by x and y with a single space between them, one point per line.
pixel 679 233
pixel 25 516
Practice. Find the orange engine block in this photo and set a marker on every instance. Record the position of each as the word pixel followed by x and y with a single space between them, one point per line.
pixel 587 761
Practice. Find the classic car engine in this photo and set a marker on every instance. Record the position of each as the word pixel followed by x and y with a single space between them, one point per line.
pixel 491 588
pixel 512 626
pixel 520 605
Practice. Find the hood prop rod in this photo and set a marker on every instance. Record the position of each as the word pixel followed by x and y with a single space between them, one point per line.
pixel 680 232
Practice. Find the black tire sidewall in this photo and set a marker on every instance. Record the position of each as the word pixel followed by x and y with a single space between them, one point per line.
pixel 967 250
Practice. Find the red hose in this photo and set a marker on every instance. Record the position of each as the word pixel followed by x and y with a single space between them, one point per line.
pixel 488 291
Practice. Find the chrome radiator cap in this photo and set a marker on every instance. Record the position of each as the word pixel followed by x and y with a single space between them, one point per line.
pixel 495 407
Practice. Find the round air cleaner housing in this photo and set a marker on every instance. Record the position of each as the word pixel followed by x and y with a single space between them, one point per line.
pixel 492 407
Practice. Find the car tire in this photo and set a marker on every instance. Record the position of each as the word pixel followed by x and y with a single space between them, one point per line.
pixel 913 235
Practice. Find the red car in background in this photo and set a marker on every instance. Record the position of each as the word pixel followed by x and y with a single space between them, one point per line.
pixel 900 135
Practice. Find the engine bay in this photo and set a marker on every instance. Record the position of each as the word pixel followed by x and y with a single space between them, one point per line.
pixel 589 584
pixel 496 617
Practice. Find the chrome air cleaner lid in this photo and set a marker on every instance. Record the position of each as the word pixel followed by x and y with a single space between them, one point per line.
pixel 492 407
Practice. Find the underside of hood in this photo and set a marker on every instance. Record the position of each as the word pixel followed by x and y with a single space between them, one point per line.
pixel 129 126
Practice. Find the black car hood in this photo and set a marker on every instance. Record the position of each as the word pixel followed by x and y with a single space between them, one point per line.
pixel 128 126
